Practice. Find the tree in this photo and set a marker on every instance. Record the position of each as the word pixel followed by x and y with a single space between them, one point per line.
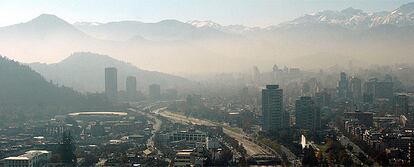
pixel 67 149
pixel 309 157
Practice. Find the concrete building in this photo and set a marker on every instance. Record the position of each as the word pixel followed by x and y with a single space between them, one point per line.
pixel 343 86
pixel 272 109
pixel 356 89
pixel 384 89
pixel 154 92
pixel 111 83
pixel 401 104
pixel 33 158
pixel 183 158
pixel 308 115
pixel 379 89
pixel 366 118
pixel 131 88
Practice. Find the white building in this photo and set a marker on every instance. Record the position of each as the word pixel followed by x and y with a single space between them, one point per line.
pixel 33 158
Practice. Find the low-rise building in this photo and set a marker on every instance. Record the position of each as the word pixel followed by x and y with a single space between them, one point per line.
pixel 33 158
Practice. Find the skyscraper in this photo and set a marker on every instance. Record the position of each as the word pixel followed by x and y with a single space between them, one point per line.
pixel 154 92
pixel 111 83
pixel 272 108
pixel 356 89
pixel 343 86
pixel 131 87
pixel 308 115
pixel 401 104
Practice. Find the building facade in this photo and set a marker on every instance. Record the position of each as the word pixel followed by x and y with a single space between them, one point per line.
pixel 111 83
pixel 272 108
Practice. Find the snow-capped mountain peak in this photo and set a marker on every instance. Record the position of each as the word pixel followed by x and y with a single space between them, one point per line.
pixel 87 23
pixel 356 18
pixel 207 23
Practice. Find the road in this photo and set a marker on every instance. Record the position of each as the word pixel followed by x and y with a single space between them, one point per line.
pixel 156 127
pixel 355 149
pixel 251 147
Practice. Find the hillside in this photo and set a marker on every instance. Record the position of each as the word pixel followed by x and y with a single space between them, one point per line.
pixel 84 71
pixel 25 94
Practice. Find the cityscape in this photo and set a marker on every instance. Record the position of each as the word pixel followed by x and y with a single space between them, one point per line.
pixel 95 108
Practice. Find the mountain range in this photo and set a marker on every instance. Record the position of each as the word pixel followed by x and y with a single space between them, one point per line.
pixel 84 71
pixel 205 46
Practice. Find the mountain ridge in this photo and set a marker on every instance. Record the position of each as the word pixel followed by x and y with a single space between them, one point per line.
pixel 84 72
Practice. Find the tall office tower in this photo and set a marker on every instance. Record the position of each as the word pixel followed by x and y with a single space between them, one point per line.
pixel 275 73
pixel 154 92
pixel 322 99
pixel 308 115
pixel 356 89
pixel 256 75
pixel 111 83
pixel 343 86
pixel 272 109
pixel 131 87
pixel 369 90
pixel 384 89
pixel 401 104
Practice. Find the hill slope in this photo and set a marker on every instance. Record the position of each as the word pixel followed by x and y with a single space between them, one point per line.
pixel 84 71
pixel 25 94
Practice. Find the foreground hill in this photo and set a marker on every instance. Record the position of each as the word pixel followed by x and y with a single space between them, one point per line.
pixel 25 94
pixel 84 71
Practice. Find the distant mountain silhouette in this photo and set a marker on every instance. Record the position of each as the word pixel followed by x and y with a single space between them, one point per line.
pixel 205 46
pixel 25 92
pixel 42 27
pixel 84 71
pixel 166 30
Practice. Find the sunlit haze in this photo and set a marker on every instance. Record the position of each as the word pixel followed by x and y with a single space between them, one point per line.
pixel 178 83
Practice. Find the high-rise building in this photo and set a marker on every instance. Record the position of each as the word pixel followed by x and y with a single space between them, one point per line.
pixel 111 83
pixel 308 115
pixel 401 104
pixel 154 92
pixel 272 109
pixel 384 89
pixel 256 75
pixel 131 87
pixel 379 89
pixel 343 86
pixel 356 89
pixel 322 98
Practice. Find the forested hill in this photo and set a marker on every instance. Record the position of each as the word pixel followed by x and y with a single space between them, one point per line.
pixel 25 94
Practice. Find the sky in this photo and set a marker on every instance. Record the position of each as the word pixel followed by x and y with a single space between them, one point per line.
pixel 247 12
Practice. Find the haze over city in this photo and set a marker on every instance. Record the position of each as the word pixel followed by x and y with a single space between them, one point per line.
pixel 206 83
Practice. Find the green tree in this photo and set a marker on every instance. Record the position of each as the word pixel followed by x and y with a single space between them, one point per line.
pixel 67 149
pixel 309 157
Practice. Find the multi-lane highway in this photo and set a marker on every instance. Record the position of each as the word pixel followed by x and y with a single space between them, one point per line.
pixel 251 147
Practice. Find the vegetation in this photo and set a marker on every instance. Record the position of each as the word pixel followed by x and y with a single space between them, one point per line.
pixel 26 95
pixel 67 150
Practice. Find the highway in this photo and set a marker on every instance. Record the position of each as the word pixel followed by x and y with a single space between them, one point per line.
pixel 156 127
pixel 251 147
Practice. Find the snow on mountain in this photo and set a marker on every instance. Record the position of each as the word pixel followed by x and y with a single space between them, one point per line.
pixel 200 24
pixel 356 18
pixel 87 23
pixel 235 29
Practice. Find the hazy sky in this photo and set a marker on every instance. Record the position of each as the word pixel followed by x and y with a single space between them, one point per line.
pixel 247 12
